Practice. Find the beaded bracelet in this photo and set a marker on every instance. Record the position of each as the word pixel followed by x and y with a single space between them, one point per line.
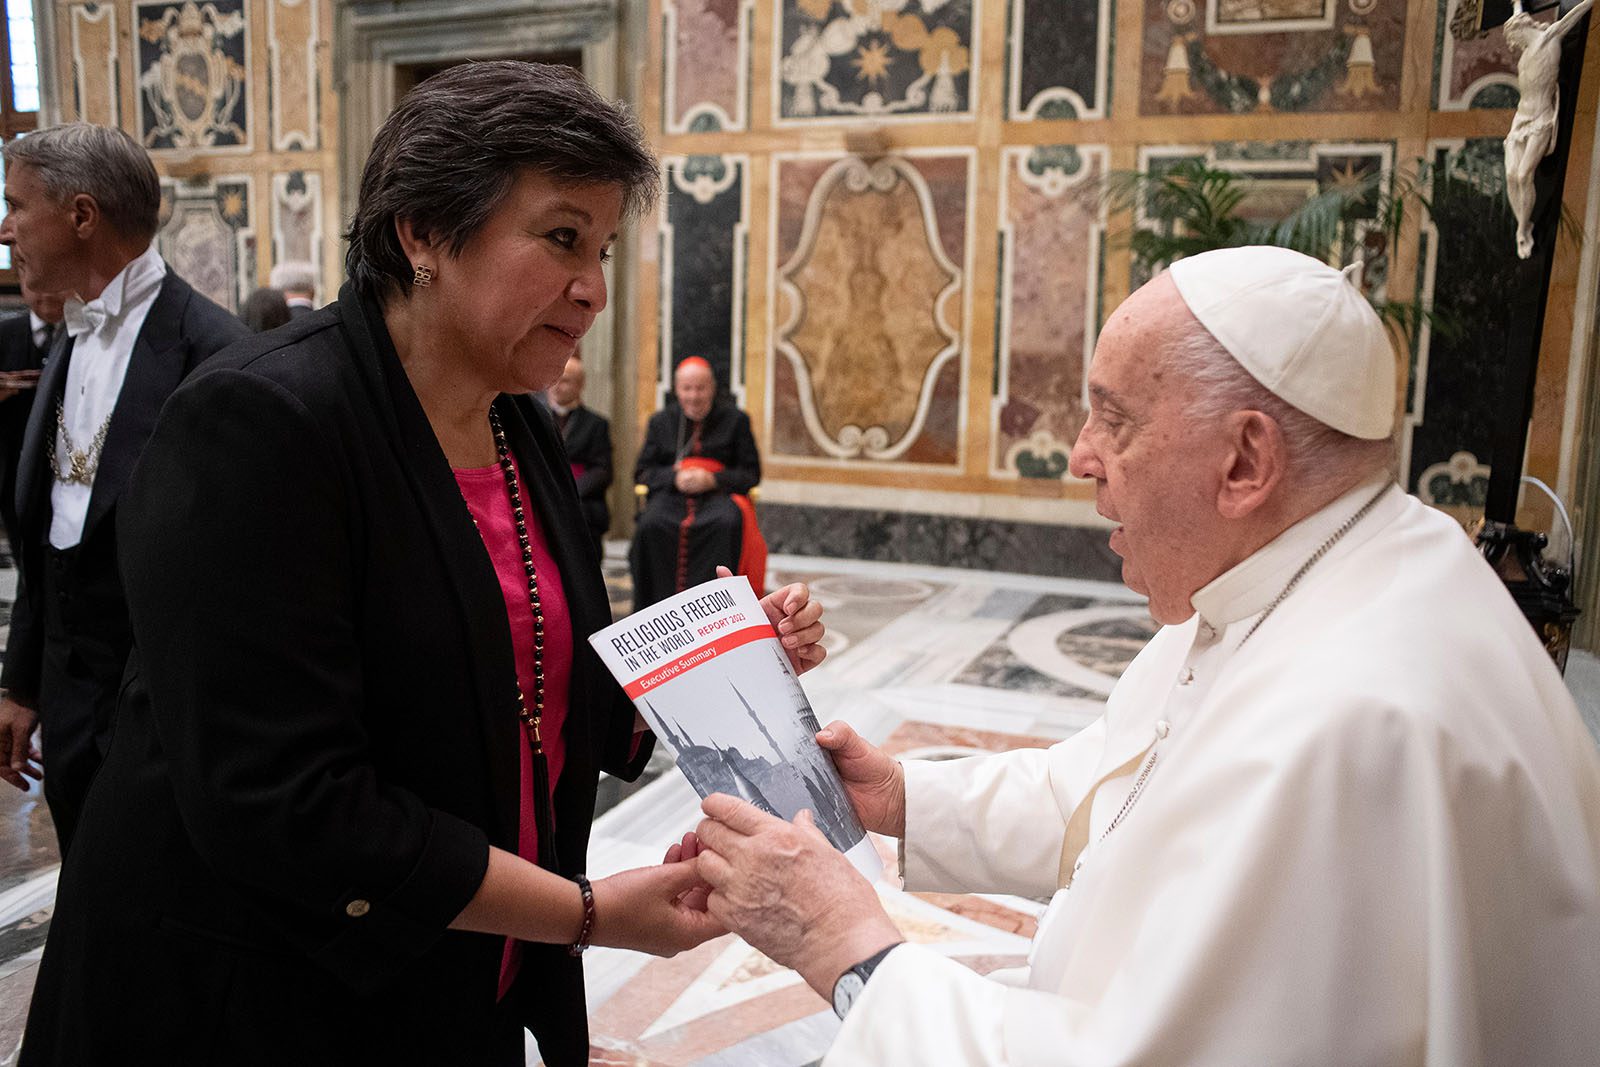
pixel 577 947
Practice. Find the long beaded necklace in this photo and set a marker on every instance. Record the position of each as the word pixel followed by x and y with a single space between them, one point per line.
pixel 530 720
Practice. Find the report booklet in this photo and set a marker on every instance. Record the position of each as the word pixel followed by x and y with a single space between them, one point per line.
pixel 706 670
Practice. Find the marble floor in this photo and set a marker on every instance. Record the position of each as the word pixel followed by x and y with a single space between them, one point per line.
pixel 926 662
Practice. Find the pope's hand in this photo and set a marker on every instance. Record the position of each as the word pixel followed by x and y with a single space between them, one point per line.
pixel 874 781
pixel 653 909
pixel 788 892
pixel 798 620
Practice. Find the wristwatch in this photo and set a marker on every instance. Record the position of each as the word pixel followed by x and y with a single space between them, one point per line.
pixel 850 984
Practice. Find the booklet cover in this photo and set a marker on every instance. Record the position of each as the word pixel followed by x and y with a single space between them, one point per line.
pixel 706 670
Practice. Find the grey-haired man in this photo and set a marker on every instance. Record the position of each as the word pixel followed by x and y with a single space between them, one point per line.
pixel 81 216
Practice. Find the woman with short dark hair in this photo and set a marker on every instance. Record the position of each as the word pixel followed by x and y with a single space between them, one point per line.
pixel 344 815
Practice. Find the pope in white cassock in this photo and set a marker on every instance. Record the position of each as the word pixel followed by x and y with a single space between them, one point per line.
pixel 1341 810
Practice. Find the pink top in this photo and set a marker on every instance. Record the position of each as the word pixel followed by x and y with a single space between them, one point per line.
pixel 484 489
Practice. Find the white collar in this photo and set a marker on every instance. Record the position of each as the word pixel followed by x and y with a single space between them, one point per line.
pixel 134 283
pixel 141 277
pixel 1247 588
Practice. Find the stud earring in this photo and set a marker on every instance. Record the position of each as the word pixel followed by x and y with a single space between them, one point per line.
pixel 422 276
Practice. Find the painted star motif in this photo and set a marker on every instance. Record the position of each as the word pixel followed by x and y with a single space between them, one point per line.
pixel 232 203
pixel 873 61
pixel 1348 178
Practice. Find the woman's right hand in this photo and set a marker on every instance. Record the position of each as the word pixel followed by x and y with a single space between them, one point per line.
pixel 652 909
pixel 874 781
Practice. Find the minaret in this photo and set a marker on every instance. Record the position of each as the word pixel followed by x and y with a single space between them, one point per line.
pixel 759 724
pixel 678 743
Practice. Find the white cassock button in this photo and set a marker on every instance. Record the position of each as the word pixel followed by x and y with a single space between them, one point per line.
pixel 1187 677
pixel 357 908
pixel 1163 728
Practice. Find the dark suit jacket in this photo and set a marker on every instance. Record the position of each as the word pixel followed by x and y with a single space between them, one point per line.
pixel 17 352
pixel 182 329
pixel 587 438
pixel 318 741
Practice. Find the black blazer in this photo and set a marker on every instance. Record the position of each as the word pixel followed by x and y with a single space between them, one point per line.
pixel 318 740
pixel 182 329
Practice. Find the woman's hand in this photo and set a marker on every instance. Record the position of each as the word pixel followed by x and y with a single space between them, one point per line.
pixel 649 909
pixel 688 849
pixel 798 620
pixel 873 780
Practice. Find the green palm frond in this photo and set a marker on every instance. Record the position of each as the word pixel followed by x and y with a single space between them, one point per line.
pixel 1189 206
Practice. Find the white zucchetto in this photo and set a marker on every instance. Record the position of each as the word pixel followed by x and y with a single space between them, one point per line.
pixel 1301 328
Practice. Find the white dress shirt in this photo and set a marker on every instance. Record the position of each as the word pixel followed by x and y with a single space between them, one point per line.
pixel 41 330
pixel 103 332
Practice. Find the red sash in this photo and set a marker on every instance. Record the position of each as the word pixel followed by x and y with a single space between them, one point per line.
pixel 752 546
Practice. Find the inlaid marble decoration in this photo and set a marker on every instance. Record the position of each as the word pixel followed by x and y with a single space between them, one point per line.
pixel 870 285
pixel 1473 69
pixel 208 236
pixel 1060 59
pixel 706 64
pixel 297 219
pixel 1284 175
pixel 1052 227
pixel 703 240
pixel 1218 57
pixel 193 74
pixel 92 55
pixel 873 59
pixel 1467 256
pixel 292 41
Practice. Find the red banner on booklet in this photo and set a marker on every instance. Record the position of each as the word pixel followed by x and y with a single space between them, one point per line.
pixel 666 672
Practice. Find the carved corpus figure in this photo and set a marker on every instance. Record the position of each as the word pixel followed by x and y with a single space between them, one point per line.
pixel 1533 128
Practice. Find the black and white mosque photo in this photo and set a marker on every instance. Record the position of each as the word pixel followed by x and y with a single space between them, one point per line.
pixel 1163 438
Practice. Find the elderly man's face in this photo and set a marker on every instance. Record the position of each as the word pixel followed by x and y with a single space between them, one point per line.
pixel 39 228
pixel 1156 470
pixel 695 389
pixel 568 389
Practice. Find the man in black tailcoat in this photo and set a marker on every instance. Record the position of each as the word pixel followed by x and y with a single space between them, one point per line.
pixel 82 204
pixel 25 340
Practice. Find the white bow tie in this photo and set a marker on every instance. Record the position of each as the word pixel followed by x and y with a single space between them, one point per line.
pixel 82 318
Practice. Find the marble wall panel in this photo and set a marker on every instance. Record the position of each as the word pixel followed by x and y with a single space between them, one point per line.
pixel 1285 174
pixel 1468 259
pixel 703 239
pixel 1472 69
pixel 1060 58
pixel 706 65
pixel 208 237
pixel 940 540
pixel 292 41
pixel 297 220
pixel 870 280
pixel 868 59
pixel 1052 225
pixel 194 78
pixel 1218 57
pixel 91 45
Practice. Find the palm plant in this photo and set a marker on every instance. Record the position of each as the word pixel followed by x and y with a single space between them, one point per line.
pixel 1191 206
